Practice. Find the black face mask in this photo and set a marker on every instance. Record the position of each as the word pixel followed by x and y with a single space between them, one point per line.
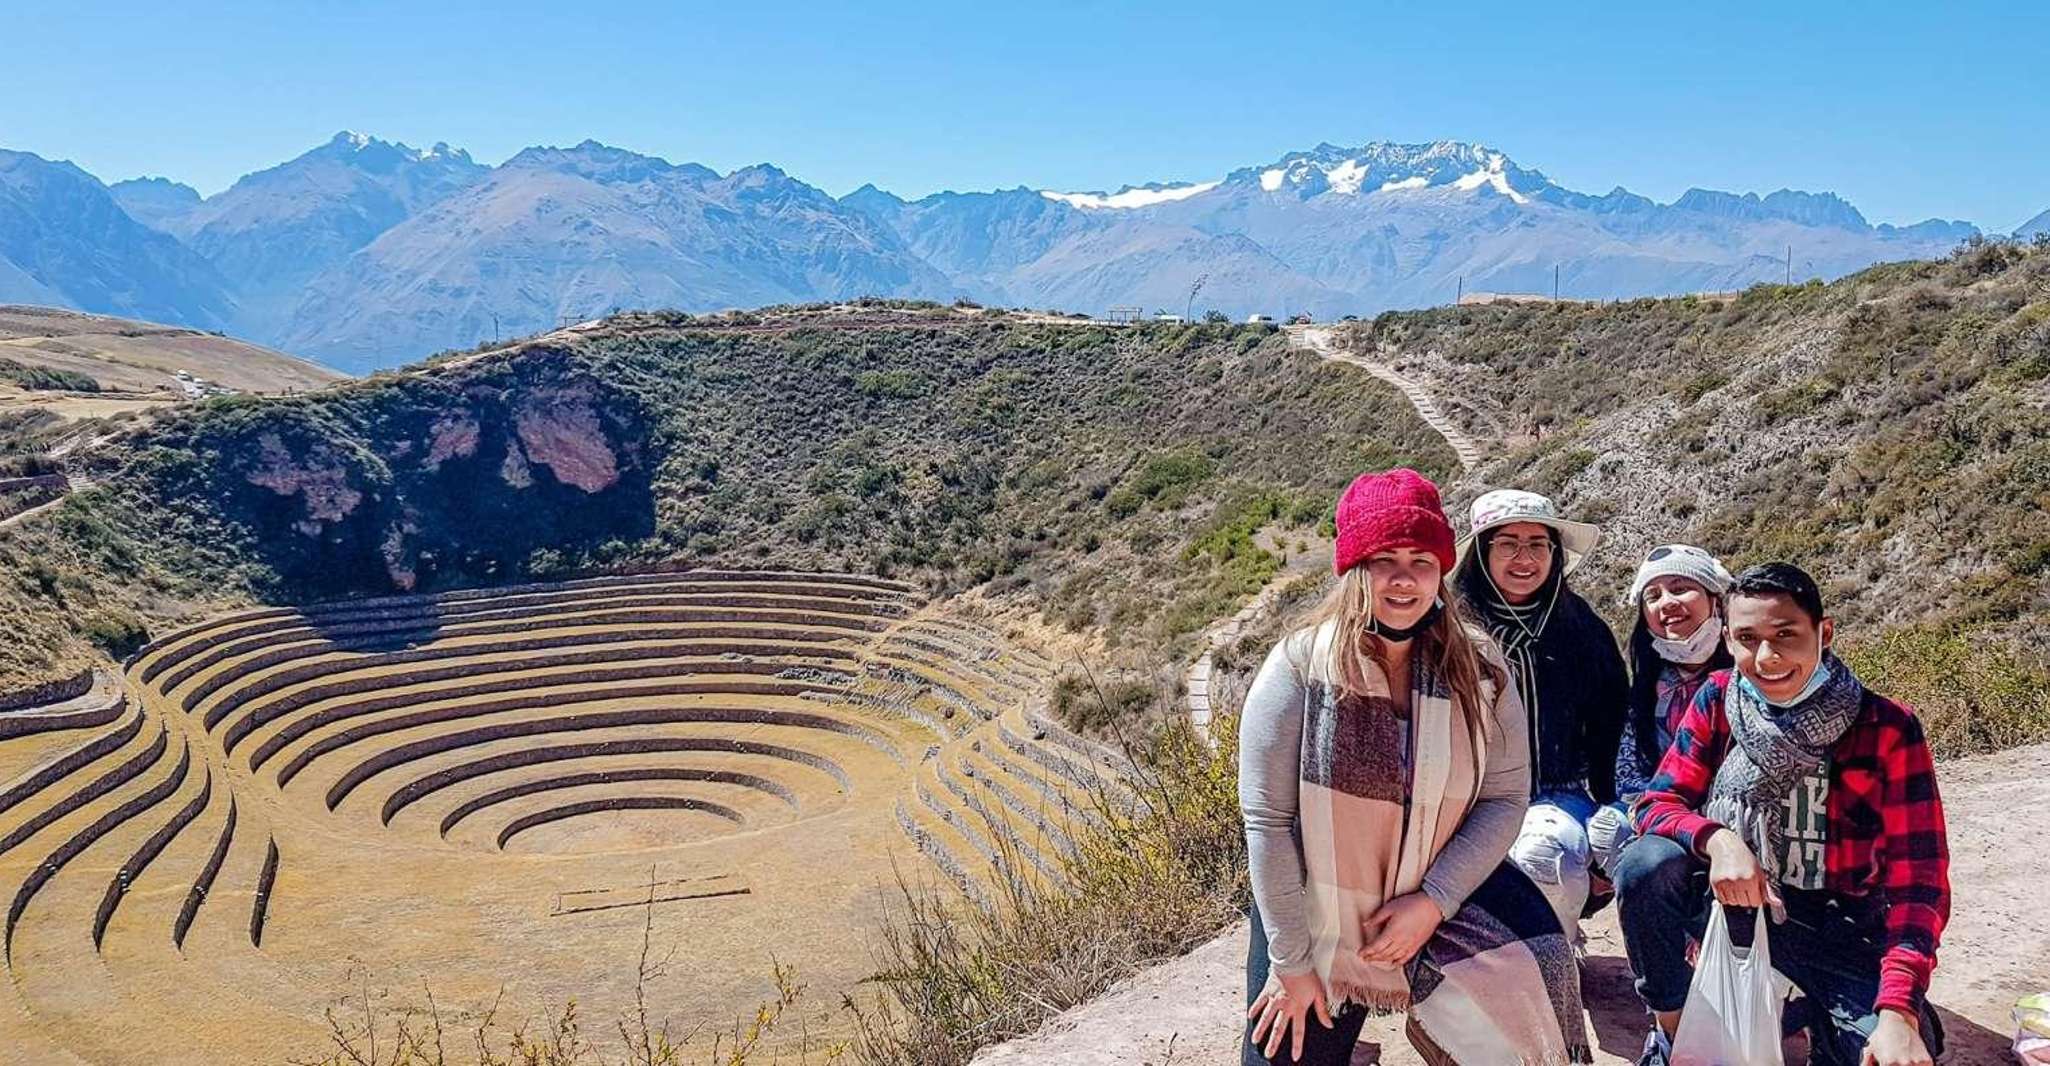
pixel 1407 633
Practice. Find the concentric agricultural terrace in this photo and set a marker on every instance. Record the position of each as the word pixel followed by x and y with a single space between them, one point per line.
pixel 480 791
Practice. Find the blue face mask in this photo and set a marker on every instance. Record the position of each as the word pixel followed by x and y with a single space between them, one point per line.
pixel 1815 683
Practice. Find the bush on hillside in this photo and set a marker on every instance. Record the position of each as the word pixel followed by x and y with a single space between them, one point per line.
pixel 1973 692
pixel 117 631
pixel 45 378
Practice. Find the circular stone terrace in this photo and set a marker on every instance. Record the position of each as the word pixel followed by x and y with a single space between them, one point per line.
pixel 481 791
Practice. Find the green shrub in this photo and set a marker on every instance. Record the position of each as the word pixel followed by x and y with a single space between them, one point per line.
pixel 1801 398
pixel 890 384
pixel 1974 692
pixel 43 378
pixel 1169 473
pixel 115 630
pixel 1092 705
pixel 1700 385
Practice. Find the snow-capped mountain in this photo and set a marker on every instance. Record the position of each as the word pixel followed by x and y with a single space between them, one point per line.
pixel 1382 225
pixel 1382 167
pixel 368 253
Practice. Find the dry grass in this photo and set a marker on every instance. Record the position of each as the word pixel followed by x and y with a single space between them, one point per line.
pixel 365 1029
pixel 1973 692
pixel 132 356
pixel 1160 875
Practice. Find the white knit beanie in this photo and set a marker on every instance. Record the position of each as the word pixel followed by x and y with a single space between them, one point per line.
pixel 1680 560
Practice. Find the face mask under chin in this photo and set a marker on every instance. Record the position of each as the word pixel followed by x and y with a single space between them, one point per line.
pixel 1408 633
pixel 1817 678
pixel 1693 650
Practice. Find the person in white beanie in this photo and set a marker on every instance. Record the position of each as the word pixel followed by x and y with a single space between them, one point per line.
pixel 1675 643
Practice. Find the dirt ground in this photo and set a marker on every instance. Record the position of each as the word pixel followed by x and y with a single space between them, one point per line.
pixel 1996 950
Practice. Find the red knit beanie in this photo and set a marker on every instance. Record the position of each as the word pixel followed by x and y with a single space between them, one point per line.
pixel 1398 509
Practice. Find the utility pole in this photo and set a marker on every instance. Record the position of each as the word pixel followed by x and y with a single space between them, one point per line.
pixel 1189 311
pixel 494 327
pixel 1555 281
pixel 1461 298
pixel 1790 264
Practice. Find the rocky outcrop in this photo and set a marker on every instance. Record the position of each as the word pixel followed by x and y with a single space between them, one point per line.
pixel 413 483
pixel 560 431
pixel 321 483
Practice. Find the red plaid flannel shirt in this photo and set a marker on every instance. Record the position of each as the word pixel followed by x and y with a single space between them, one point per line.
pixel 1885 823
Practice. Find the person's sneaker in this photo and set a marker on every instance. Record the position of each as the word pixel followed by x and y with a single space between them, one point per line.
pixel 1658 1051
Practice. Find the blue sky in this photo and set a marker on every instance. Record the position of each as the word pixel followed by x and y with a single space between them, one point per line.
pixel 1909 110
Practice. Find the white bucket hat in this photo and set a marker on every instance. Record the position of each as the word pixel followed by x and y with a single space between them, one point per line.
pixel 1504 507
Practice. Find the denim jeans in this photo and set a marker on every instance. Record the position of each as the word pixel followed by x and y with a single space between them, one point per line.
pixel 1829 946
pixel 1553 850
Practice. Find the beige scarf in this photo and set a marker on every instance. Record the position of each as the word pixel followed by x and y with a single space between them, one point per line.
pixel 1372 819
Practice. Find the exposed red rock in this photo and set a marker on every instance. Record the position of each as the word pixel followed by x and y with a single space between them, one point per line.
pixel 560 430
pixel 323 487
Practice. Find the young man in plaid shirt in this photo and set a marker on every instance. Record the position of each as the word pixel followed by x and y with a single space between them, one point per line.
pixel 1790 785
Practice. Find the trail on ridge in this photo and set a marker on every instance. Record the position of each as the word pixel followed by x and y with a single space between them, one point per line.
pixel 1322 340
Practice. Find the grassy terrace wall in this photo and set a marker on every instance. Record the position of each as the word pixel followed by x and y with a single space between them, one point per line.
pixel 204 843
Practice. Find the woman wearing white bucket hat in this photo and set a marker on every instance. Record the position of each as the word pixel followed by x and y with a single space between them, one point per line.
pixel 1513 565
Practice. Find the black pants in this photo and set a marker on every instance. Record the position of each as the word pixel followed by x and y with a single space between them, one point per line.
pixel 1829 946
pixel 1322 1045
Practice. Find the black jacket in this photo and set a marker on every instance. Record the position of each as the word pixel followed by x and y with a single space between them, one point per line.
pixel 1583 701
pixel 1583 691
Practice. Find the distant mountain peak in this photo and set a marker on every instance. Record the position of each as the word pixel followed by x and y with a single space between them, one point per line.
pixel 362 149
pixel 161 186
pixel 154 202
pixel 1389 166
pixel 1133 195
pixel 1787 205
pixel 869 194
pixel 600 162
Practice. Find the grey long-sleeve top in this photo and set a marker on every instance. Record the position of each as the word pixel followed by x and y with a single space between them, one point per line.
pixel 1270 772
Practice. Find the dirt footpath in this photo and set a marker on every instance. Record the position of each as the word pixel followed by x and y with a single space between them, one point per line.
pixel 1997 949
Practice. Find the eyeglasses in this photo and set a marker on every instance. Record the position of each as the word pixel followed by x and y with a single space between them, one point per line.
pixel 1535 550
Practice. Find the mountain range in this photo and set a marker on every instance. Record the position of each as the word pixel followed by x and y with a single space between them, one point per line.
pixel 364 253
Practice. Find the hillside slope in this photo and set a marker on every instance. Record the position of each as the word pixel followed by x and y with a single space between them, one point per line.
pixel 1112 474
pixel 64 240
pixel 1889 429
pixel 125 355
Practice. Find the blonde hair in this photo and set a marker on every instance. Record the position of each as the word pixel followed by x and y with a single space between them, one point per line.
pixel 1447 645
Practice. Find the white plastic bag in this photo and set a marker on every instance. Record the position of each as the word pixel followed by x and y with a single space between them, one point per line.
pixel 2032 1036
pixel 1732 1017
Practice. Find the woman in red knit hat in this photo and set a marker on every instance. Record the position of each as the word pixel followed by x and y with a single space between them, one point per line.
pixel 1383 773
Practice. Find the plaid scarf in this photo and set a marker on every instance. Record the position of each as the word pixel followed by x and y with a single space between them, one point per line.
pixel 1771 749
pixel 1375 811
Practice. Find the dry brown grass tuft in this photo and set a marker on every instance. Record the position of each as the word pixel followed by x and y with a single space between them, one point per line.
pixel 364 1029
pixel 1163 872
pixel 1974 692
